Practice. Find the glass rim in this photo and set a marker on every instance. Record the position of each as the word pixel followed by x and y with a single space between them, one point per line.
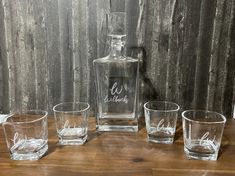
pixel 204 111
pixel 26 113
pixel 161 110
pixel 76 102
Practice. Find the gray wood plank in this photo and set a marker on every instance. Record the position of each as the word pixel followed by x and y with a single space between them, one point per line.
pixel 53 55
pixel 161 24
pixel 39 53
pixel 229 90
pixel 80 41
pixel 147 10
pixel 118 5
pixel 21 61
pixel 219 56
pixel 92 52
pixel 7 20
pixel 175 52
pixel 4 87
pixel 187 62
pixel 207 15
pixel 132 15
pixel 66 50
pixel 103 7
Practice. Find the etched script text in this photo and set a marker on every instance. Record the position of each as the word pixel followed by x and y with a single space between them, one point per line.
pixel 17 140
pixel 205 138
pixel 67 125
pixel 115 97
pixel 161 126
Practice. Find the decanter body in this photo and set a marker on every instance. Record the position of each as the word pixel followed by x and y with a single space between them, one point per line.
pixel 117 89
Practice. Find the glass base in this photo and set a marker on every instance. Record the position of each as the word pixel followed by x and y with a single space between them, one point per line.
pixel 122 125
pixel 117 128
pixel 70 141
pixel 30 156
pixel 166 140
pixel 200 156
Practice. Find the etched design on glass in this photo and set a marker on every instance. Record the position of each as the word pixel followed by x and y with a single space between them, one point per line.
pixel 67 125
pixel 72 130
pixel 205 138
pixel 16 139
pixel 161 126
pixel 26 144
pixel 115 94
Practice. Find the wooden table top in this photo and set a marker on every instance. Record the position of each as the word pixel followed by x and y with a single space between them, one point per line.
pixel 112 153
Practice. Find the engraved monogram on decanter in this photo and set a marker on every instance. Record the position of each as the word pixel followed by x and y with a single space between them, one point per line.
pixel 116 94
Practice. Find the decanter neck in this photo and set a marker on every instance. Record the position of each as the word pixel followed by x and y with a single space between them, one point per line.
pixel 117 45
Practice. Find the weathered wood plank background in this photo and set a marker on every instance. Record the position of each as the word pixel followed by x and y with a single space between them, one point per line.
pixel 186 48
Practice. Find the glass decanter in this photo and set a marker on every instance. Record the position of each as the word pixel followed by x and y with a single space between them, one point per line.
pixel 117 82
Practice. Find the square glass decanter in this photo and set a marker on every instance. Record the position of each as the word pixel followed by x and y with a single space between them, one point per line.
pixel 117 79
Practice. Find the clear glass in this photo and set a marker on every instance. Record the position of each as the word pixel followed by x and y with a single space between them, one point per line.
pixel 26 134
pixel 161 118
pixel 71 122
pixel 203 132
pixel 117 83
pixel 3 118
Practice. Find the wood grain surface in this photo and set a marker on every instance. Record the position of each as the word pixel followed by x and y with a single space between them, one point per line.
pixel 186 49
pixel 113 153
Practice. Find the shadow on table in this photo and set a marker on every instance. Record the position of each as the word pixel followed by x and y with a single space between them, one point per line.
pixel 224 145
pixel 52 145
pixel 178 132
